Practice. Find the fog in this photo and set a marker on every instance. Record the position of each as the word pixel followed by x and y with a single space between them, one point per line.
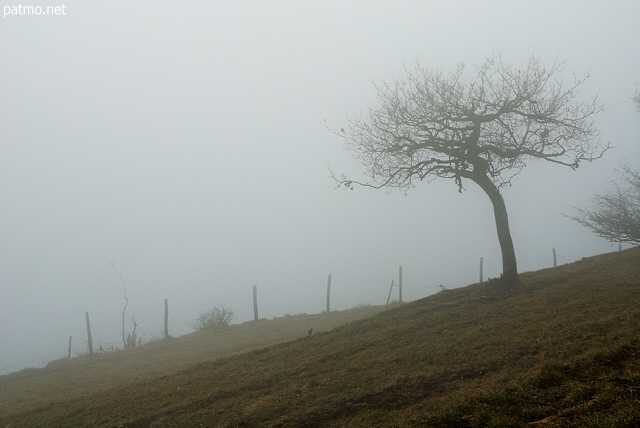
pixel 183 146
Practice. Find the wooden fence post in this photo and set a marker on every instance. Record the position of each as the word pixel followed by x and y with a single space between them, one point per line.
pixel 329 294
pixel 400 284
pixel 554 257
pixel 481 275
pixel 166 318
pixel 69 347
pixel 86 314
pixel 255 303
pixel 390 288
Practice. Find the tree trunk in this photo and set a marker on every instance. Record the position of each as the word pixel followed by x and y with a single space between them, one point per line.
pixel 509 265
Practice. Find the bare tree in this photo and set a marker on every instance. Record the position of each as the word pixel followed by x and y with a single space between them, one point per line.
pixel 435 125
pixel 615 215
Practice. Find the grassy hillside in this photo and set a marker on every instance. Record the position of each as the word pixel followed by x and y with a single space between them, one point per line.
pixel 68 379
pixel 557 350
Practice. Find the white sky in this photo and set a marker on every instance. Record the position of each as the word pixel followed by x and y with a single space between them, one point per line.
pixel 185 142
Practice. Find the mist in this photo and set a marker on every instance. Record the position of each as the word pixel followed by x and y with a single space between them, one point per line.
pixel 180 151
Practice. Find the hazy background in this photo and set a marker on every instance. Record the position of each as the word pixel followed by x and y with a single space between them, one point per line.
pixel 184 144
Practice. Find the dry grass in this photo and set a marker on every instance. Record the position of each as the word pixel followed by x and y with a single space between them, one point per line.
pixel 557 350
pixel 68 379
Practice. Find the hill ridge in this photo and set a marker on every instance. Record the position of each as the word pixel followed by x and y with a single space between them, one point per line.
pixel 417 364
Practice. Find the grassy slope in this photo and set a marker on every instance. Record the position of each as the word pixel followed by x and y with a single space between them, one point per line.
pixel 559 349
pixel 68 379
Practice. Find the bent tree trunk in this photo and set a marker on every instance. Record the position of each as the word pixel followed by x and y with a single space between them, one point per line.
pixel 509 265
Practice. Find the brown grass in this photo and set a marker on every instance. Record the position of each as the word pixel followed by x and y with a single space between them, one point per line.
pixel 557 350
pixel 67 379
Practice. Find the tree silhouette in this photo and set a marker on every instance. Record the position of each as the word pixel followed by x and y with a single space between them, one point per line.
pixel 435 125
pixel 615 215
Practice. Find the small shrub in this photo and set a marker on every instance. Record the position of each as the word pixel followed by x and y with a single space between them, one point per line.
pixel 213 318
pixel 132 340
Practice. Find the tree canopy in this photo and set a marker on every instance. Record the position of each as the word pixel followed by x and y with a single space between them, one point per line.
pixel 484 128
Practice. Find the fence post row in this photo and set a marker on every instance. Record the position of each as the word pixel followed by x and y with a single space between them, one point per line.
pixel 86 314
pixel 255 301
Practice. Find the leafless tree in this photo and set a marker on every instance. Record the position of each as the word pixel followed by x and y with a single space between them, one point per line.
pixel 616 214
pixel 436 125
